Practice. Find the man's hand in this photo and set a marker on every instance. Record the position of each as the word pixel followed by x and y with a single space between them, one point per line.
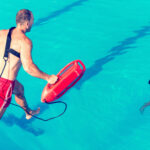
pixel 52 79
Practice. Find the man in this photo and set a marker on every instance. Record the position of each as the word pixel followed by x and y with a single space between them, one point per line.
pixel 20 47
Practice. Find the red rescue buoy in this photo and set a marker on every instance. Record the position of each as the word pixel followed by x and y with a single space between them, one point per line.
pixel 67 77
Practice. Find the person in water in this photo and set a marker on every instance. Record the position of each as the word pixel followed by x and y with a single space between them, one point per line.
pixel 20 47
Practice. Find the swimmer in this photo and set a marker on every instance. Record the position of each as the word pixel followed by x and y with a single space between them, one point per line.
pixel 20 47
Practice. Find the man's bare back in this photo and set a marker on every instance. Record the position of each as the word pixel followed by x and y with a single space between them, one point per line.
pixel 14 63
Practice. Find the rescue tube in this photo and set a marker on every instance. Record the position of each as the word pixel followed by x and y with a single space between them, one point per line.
pixel 67 77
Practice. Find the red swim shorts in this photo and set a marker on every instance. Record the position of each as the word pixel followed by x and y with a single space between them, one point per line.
pixel 6 88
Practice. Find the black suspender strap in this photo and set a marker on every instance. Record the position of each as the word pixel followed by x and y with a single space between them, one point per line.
pixel 8 41
pixel 14 53
pixel 7 49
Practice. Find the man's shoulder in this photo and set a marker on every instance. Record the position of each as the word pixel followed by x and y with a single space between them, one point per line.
pixel 26 40
pixel 3 32
pixel 26 44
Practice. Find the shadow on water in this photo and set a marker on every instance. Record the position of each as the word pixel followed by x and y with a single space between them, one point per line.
pixel 58 12
pixel 118 50
pixel 24 124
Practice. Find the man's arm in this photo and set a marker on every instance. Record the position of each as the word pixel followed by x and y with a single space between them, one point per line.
pixel 28 64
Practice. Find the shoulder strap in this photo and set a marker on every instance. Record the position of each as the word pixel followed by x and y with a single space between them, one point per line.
pixel 8 43
pixel 14 53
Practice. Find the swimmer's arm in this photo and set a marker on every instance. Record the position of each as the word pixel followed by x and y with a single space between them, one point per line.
pixel 27 62
pixel 144 106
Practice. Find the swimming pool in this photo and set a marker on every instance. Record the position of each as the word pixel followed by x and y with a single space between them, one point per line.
pixel 112 39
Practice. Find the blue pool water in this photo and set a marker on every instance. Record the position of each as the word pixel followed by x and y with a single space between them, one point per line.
pixel 112 38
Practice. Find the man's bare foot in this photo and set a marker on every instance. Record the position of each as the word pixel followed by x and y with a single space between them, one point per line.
pixel 32 112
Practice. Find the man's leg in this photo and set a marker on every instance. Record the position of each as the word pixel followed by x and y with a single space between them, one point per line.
pixel 21 100
pixel 2 112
